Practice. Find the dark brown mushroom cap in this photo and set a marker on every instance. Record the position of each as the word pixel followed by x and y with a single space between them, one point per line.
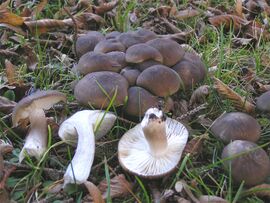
pixel 196 60
pixel 119 57
pixel 189 73
pixel 112 35
pixel 160 80
pixel 129 38
pixel 130 74
pixel 109 45
pixel 88 42
pixel 44 99
pixel 139 100
pixel 146 64
pixel 93 88
pixel 142 52
pixel 171 51
pixel 92 62
pixel 145 34
pixel 252 166
pixel 236 126
pixel 263 102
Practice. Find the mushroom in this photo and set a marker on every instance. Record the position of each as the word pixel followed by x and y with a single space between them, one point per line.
pixel 32 107
pixel 88 42
pixel 171 51
pixel 236 126
pixel 189 73
pixel 160 80
pixel 92 62
pixel 249 163
pixel 154 147
pixel 119 57
pixel 129 38
pixel 145 34
pixel 130 74
pixel 112 35
pixel 80 128
pixel 263 102
pixel 146 64
pixel 142 52
pixel 99 88
pixel 109 45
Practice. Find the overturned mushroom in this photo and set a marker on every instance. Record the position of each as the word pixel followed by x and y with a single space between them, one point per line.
pixel 154 147
pixel 236 126
pixel 81 126
pixel 249 163
pixel 32 107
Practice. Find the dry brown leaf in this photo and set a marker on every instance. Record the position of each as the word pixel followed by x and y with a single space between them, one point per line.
pixel 199 95
pixel 188 13
pixel 228 20
pixel 13 28
pixel 195 146
pixel 6 106
pixel 10 72
pixel 162 11
pixel 5 52
pixel 238 102
pixel 94 192
pixel 105 7
pixel 4 5
pixel 239 8
pixel 262 190
pixel 39 7
pixel 211 199
pixel 31 57
pixel 119 187
pixel 10 18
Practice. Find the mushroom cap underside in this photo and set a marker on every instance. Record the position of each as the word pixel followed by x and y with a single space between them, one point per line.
pixel 134 152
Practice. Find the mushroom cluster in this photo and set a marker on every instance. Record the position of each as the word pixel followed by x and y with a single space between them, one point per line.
pixel 136 68
pixel 242 156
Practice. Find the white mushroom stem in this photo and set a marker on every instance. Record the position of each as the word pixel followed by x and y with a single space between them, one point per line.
pixel 154 130
pixel 36 140
pixel 81 126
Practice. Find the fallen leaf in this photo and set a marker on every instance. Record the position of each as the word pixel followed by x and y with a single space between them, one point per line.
pixel 6 105
pixel 185 14
pixel 31 57
pixel 238 102
pixel 10 72
pixel 195 146
pixel 105 7
pixel 119 187
pixel 94 192
pixel 211 199
pixel 239 8
pixel 10 18
pixel 39 7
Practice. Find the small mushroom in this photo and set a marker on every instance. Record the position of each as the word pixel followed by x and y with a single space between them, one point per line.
pixel 88 42
pixel 98 88
pixel 145 34
pixel 130 74
pixel 92 62
pixel 236 126
pixel 109 45
pixel 129 38
pixel 154 147
pixel 171 51
pixel 146 64
pixel 189 73
pixel 263 102
pixel 141 52
pixel 112 35
pixel 119 57
pixel 139 100
pixel 80 128
pixel 249 163
pixel 160 80
pixel 32 107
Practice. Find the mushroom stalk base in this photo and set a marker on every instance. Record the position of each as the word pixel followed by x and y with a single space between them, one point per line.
pixel 36 140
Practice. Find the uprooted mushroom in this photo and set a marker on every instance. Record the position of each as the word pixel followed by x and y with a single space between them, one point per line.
pixel 32 108
pixel 82 128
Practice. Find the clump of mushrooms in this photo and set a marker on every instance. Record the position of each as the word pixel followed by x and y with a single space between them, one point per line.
pixel 236 126
pixel 248 162
pixel 154 147
pixel 157 65
pixel 82 129
pixel 32 107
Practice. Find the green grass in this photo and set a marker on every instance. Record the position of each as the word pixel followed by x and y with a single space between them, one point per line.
pixel 204 174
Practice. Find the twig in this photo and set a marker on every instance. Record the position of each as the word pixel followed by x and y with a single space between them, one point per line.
pixel 192 112
pixel 126 121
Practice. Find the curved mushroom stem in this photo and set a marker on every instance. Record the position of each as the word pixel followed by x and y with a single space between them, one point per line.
pixel 154 128
pixel 36 140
